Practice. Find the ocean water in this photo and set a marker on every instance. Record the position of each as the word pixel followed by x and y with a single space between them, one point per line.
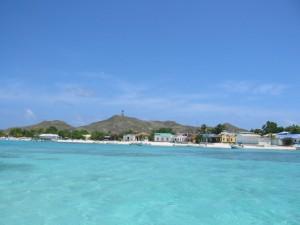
pixel 88 184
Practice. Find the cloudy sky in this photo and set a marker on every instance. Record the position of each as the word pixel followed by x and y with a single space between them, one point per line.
pixel 191 61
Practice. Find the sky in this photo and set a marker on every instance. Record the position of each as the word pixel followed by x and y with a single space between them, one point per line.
pixel 195 62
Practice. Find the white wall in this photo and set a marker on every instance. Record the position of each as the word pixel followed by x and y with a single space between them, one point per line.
pixel 247 139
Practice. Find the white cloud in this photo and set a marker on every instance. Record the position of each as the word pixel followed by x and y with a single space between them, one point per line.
pixel 246 87
pixel 105 93
pixel 29 114
pixel 77 91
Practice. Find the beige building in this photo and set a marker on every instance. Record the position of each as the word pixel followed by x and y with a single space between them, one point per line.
pixel 227 137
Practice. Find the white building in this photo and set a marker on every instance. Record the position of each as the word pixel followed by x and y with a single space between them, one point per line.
pixel 265 141
pixel 129 137
pixel 181 138
pixel 281 137
pixel 49 137
pixel 247 138
pixel 163 137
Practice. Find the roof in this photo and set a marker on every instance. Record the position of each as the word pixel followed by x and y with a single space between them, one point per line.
pixel 248 134
pixel 210 135
pixel 164 134
pixel 129 135
pixel 227 133
pixel 181 135
pixel 48 135
pixel 143 134
pixel 283 135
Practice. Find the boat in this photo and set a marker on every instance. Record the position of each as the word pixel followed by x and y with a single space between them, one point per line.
pixel 297 146
pixel 136 143
pixel 237 146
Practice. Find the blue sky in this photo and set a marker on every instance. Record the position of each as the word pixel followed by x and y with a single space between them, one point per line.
pixel 191 61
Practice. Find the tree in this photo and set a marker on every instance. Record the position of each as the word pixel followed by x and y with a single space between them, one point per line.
pixel 2 133
pixel 115 137
pixel 203 129
pixel 165 130
pixel 294 129
pixel 16 132
pixel 257 131
pixel 128 132
pixel 65 134
pixel 199 138
pixel 271 128
pixel 98 136
pixel 29 133
pixel 78 134
pixel 218 129
pixel 287 141
pixel 51 130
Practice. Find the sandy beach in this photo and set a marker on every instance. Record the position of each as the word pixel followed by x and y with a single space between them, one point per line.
pixel 167 144
pixel 164 144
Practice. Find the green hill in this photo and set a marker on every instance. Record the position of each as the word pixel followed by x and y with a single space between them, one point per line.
pixel 231 128
pixel 60 125
pixel 120 124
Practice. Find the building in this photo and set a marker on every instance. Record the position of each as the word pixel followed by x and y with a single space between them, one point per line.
pixel 163 137
pixel 282 136
pixel 87 136
pixel 211 138
pixel 247 138
pixel 143 136
pixel 129 137
pixel 49 137
pixel 181 138
pixel 107 138
pixel 266 140
pixel 227 137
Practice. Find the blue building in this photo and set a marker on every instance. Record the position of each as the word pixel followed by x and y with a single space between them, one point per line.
pixel 280 137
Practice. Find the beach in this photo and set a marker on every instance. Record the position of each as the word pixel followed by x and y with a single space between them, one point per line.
pixel 165 144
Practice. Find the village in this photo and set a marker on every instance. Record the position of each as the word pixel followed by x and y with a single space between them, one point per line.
pixel 235 140
pixel 225 140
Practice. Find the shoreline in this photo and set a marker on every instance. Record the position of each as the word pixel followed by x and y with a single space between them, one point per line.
pixel 165 144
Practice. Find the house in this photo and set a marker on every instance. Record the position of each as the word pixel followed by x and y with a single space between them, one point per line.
pixel 129 137
pixel 87 136
pixel 265 140
pixel 247 138
pixel 227 137
pixel 163 137
pixel 282 136
pixel 211 138
pixel 49 137
pixel 143 136
pixel 181 138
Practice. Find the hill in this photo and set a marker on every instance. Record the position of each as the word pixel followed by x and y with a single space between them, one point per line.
pixel 60 125
pixel 120 124
pixel 231 128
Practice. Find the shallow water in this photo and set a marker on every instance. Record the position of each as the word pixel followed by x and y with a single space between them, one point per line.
pixel 87 184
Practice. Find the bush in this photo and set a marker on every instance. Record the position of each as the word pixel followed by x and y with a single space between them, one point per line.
pixel 287 141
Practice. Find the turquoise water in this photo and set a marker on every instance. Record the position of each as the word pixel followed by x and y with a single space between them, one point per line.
pixel 79 184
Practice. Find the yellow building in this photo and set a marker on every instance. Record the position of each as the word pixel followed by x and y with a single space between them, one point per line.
pixel 228 137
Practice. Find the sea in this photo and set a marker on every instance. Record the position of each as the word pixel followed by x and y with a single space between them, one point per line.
pixel 47 183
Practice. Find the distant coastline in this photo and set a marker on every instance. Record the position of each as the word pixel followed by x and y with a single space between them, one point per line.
pixel 161 144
